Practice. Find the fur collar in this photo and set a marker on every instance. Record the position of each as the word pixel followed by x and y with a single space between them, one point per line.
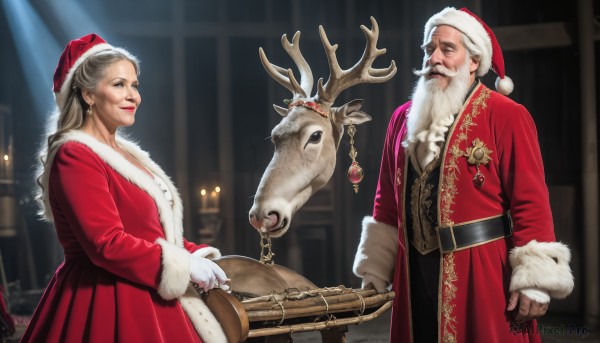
pixel 170 216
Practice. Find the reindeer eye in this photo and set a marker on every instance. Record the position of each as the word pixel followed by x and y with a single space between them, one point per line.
pixel 315 137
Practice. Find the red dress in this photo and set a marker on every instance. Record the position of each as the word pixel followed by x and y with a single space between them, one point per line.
pixel 125 276
pixel 475 282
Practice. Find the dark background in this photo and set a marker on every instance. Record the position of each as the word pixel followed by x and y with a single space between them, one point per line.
pixel 206 113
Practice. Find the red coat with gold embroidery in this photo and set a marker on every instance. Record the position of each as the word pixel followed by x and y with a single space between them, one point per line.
pixel 474 282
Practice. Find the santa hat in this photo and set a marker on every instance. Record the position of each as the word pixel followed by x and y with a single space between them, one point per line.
pixel 481 35
pixel 75 53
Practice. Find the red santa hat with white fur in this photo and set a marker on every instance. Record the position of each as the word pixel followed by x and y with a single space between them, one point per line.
pixel 481 35
pixel 77 51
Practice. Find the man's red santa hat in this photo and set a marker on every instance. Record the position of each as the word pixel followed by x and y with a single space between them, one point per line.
pixel 481 35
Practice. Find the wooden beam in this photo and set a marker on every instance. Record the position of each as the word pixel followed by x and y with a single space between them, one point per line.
pixel 165 29
pixel 180 133
pixel 511 38
pixel 539 36
pixel 534 36
pixel 589 156
pixel 225 133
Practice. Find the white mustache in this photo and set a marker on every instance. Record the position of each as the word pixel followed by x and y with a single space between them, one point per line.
pixel 435 69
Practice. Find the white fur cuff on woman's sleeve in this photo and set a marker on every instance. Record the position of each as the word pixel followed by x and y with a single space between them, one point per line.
pixel 175 276
pixel 376 253
pixel 543 265
pixel 208 252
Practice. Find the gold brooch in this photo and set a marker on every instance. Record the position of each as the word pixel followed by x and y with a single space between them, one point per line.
pixel 478 154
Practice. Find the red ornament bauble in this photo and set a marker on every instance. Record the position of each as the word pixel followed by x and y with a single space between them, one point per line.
pixel 355 173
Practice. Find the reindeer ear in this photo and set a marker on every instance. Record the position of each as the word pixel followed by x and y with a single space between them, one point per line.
pixel 281 110
pixel 350 113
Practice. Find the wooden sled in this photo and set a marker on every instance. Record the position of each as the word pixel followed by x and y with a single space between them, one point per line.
pixel 269 303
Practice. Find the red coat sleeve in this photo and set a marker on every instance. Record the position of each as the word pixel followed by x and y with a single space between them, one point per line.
pixel 79 193
pixel 209 252
pixel 522 174
pixel 385 208
pixel 192 247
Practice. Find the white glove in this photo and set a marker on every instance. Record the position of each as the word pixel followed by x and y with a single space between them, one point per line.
pixel 378 283
pixel 206 273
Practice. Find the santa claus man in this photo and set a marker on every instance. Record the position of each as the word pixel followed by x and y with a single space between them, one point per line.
pixel 461 225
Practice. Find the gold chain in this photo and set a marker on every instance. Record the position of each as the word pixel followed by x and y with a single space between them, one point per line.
pixel 265 242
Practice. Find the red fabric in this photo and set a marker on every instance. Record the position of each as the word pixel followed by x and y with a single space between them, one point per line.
pixel 6 317
pixel 73 51
pixel 478 278
pixel 497 58
pixel 105 290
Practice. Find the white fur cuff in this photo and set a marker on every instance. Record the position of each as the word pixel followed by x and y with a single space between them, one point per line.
pixel 538 295
pixel 379 284
pixel 208 252
pixel 175 276
pixel 376 253
pixel 543 265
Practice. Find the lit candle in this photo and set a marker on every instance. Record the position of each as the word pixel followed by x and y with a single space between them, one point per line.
pixel 4 171
pixel 203 200
pixel 218 194
pixel 213 200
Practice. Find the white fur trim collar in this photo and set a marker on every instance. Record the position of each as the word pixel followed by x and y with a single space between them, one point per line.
pixel 170 216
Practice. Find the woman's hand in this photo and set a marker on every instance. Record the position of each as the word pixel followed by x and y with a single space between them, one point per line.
pixel 207 274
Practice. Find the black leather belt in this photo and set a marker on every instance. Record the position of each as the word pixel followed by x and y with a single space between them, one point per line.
pixel 466 235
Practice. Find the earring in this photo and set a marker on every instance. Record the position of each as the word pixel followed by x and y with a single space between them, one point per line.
pixel 355 172
pixel 89 112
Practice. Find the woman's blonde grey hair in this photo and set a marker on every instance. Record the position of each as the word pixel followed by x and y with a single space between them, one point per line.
pixel 86 76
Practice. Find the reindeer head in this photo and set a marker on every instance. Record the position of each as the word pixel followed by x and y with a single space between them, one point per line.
pixel 307 138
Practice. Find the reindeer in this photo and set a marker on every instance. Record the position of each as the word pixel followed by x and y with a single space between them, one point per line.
pixel 307 138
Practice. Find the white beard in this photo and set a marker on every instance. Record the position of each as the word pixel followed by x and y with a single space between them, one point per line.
pixel 432 112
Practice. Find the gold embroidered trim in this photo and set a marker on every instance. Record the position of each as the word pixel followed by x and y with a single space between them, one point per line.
pixel 398 179
pixel 448 192
pixel 449 277
pixel 448 189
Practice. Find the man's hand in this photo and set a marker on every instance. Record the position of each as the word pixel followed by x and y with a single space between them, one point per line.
pixel 371 281
pixel 528 309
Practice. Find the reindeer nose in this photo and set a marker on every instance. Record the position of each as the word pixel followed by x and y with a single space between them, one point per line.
pixel 268 222
pixel 255 222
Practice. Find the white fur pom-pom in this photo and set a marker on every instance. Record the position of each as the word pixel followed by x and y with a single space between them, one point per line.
pixel 504 86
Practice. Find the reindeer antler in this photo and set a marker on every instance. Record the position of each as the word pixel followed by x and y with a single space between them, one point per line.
pixel 361 72
pixel 285 76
